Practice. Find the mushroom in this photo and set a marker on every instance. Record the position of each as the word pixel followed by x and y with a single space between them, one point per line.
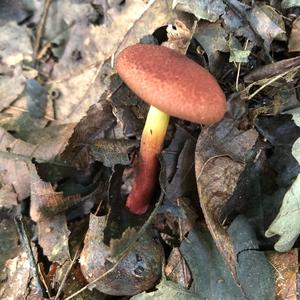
pixel 175 86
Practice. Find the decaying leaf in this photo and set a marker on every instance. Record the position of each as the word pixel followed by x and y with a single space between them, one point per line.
pixel 11 86
pixel 53 234
pixel 8 197
pixel 177 160
pixel 285 266
pixel 9 247
pixel 17 271
pixel 237 53
pixel 267 24
pixel 212 38
pixel 45 202
pixel 112 152
pixel 203 257
pixel 167 290
pixel 47 209
pixel 177 269
pixel 287 224
pixel 218 167
pixel 82 67
pixel 136 271
pixel 285 4
pixel 13 10
pixel 16 156
pixel 294 40
pixel 98 121
pixel 205 9
pixel 273 69
pixel 158 14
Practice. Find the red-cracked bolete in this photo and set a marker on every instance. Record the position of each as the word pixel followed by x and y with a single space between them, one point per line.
pixel 175 86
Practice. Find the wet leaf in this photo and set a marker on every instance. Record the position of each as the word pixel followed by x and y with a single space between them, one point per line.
pixel 253 269
pixel 202 257
pixel 53 236
pixel 286 224
pixel 36 98
pixel 46 209
pixel 205 9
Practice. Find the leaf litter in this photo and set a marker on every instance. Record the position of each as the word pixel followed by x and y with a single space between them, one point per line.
pixel 70 132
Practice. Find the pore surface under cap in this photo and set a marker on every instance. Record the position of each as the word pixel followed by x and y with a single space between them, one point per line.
pixel 172 82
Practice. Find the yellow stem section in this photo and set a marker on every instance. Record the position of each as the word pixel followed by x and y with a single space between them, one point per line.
pixel 151 143
pixel 154 131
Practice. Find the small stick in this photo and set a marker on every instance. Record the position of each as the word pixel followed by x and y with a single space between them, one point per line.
pixel 40 29
pixel 27 246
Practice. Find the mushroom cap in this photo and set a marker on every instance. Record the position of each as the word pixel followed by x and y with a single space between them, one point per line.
pixel 172 82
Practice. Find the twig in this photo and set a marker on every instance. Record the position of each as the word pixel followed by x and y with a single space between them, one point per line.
pixel 271 81
pixel 26 110
pixel 40 28
pixel 27 246
pixel 66 275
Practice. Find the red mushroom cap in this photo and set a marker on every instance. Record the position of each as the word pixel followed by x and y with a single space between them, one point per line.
pixel 172 82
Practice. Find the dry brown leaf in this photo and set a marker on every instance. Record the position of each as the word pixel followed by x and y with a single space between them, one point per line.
pixel 96 44
pixel 13 52
pixel 294 40
pixel 16 156
pixel 11 86
pixel 18 276
pixel 158 14
pixel 177 269
pixel 8 197
pixel 53 234
pixel 47 207
pixel 98 120
pixel 217 175
pixel 79 80
pixel 45 202
pixel 285 267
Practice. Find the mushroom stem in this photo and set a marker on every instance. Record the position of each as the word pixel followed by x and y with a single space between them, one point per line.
pixel 151 144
